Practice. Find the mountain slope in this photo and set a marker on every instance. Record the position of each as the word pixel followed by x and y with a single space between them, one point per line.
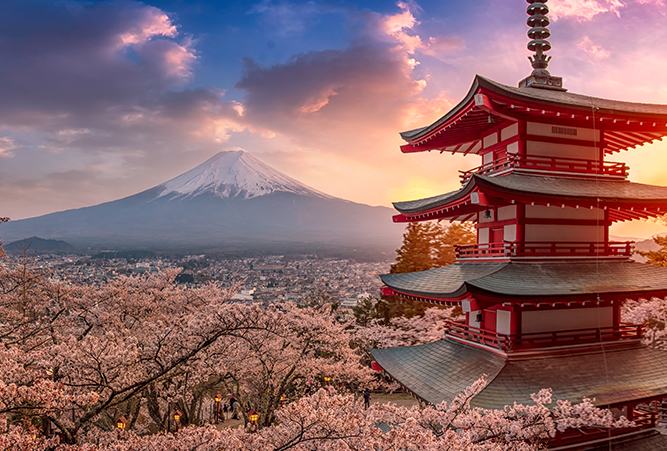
pixel 232 200
pixel 233 174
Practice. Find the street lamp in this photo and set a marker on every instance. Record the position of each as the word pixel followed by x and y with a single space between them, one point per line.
pixel 253 416
pixel 282 398
pixel 327 379
pixel 177 418
pixel 217 398
pixel 121 423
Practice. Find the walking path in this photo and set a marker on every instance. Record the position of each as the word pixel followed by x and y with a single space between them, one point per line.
pixel 400 399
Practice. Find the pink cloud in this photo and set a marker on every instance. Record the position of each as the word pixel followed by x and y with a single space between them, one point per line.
pixel 398 26
pixel 595 51
pixel 154 23
pixel 442 45
pixel 6 145
pixel 584 9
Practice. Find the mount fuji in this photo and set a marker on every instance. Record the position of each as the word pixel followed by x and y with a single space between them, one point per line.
pixel 231 202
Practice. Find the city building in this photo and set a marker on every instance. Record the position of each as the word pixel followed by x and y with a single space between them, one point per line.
pixel 542 289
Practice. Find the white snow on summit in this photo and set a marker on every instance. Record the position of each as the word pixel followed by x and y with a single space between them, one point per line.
pixel 234 174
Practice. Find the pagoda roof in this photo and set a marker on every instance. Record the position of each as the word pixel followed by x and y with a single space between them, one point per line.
pixel 624 124
pixel 439 371
pixel 521 281
pixel 625 200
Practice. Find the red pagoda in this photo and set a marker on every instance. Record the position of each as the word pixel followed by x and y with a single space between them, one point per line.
pixel 542 289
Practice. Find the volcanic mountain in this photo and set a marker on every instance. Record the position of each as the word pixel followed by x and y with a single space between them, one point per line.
pixel 232 201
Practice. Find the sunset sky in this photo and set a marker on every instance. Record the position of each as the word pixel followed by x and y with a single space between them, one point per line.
pixel 101 100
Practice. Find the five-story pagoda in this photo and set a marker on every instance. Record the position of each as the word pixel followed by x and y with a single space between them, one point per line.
pixel 542 289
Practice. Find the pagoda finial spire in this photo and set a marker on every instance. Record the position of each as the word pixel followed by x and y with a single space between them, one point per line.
pixel 538 34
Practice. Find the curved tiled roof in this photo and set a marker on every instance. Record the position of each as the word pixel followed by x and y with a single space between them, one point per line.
pixel 516 279
pixel 539 187
pixel 439 371
pixel 545 97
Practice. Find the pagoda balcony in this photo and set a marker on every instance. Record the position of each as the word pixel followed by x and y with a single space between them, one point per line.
pixel 548 164
pixel 519 342
pixel 509 249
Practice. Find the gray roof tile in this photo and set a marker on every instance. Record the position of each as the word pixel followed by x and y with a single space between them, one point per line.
pixel 532 279
pixel 538 187
pixel 439 371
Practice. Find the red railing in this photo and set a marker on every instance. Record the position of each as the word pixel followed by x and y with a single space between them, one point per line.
pixel 544 249
pixel 642 419
pixel 515 342
pixel 484 250
pixel 535 162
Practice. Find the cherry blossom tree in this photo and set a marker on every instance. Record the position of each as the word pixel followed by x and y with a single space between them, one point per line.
pixel 296 350
pixel 143 347
pixel 652 313
pixel 331 421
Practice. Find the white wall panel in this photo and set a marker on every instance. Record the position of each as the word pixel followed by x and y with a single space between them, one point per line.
pixel 555 211
pixel 545 149
pixel 510 131
pixel 503 322
pixel 507 212
pixel 556 232
pixel 571 319
pixel 509 232
pixel 586 134
pixel 490 140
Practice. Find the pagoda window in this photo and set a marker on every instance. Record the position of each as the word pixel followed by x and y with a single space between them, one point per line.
pixel 474 318
pixel 509 132
pixel 506 212
pixel 556 212
pixel 504 322
pixel 558 150
pixel 553 320
pixel 564 233
pixel 483 235
pixel 509 232
pixel 559 131
pixel 487 158
pixel 490 140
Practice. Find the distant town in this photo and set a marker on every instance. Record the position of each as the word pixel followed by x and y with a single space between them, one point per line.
pixel 306 280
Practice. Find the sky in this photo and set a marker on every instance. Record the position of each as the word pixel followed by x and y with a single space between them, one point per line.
pixel 100 100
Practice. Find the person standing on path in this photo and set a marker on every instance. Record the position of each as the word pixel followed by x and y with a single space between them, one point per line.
pixel 235 409
pixel 367 399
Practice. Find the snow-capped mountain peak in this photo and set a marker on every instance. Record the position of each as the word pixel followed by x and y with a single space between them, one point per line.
pixel 236 174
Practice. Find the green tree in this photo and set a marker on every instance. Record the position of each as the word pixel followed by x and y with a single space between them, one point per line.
pixel 416 252
pixel 457 234
pixel 428 245
pixel 659 257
